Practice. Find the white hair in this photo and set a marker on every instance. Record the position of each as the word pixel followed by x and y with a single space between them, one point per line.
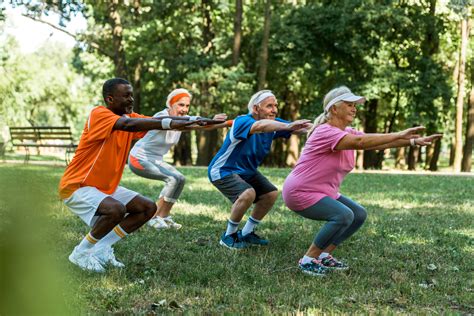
pixel 258 97
pixel 331 95
pixel 174 93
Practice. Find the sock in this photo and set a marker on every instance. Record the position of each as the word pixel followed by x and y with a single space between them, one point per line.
pixel 306 259
pixel 232 227
pixel 323 255
pixel 250 226
pixel 87 243
pixel 112 237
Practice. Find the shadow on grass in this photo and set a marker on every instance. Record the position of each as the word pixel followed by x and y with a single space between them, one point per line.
pixel 412 255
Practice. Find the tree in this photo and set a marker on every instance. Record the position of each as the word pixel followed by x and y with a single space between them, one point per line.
pixel 34 94
pixel 262 72
pixel 464 25
pixel 237 32
pixel 463 9
pixel 468 145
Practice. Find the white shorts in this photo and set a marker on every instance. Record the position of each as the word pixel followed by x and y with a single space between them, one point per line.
pixel 85 201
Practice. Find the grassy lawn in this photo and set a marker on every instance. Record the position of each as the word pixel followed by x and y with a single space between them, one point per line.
pixel 415 254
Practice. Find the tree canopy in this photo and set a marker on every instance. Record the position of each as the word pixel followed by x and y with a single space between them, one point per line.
pixel 402 55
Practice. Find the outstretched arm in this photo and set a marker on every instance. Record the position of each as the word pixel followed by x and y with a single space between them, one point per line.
pixel 267 126
pixel 303 130
pixel 371 141
pixel 218 121
pixel 421 141
pixel 145 124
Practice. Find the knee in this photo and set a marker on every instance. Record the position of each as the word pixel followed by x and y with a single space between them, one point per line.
pixel 270 197
pixel 361 215
pixel 180 180
pixel 346 218
pixel 176 180
pixel 117 212
pixel 247 196
pixel 149 209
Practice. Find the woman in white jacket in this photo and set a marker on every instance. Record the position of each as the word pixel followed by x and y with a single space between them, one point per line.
pixel 146 157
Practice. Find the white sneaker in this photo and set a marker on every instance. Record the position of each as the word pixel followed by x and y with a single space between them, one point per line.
pixel 171 223
pixel 86 261
pixel 106 256
pixel 158 223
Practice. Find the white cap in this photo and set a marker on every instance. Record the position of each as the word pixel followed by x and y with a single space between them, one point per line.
pixel 348 97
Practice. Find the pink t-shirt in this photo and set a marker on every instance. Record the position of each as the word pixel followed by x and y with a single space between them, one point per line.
pixel 320 169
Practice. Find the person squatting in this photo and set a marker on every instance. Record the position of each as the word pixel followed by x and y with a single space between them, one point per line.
pixel 90 184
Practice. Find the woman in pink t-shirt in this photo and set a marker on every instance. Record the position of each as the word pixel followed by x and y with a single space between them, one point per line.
pixel 312 188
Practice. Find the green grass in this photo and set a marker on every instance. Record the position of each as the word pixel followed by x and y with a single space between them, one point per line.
pixel 415 254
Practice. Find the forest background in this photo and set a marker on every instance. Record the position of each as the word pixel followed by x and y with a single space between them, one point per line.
pixel 413 60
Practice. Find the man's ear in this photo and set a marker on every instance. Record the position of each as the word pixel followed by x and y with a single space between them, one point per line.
pixel 255 108
pixel 109 99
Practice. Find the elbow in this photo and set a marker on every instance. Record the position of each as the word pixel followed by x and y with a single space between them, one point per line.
pixel 360 144
pixel 129 125
pixel 257 128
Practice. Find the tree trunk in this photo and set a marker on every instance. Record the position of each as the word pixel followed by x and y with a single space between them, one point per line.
pixel 137 86
pixel 430 47
pixel 117 42
pixel 400 161
pixel 460 96
pixel 293 143
pixel 182 150
pixel 206 140
pixel 429 156
pixel 413 157
pixel 370 156
pixel 262 73
pixel 237 32
pixel 467 154
pixel 452 148
pixel 359 160
pixel 434 159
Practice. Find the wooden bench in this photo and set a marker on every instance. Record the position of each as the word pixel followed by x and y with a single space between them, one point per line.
pixel 43 136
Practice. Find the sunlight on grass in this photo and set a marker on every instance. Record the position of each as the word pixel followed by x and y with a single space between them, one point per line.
pixel 412 221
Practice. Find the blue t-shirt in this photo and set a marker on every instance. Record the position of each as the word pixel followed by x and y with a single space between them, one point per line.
pixel 242 152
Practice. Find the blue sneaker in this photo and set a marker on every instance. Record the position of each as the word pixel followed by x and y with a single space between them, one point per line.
pixel 253 239
pixel 232 241
pixel 314 268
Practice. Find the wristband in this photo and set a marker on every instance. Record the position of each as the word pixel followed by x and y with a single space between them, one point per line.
pixel 412 142
pixel 166 123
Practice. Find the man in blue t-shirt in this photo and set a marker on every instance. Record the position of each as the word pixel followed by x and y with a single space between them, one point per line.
pixel 233 171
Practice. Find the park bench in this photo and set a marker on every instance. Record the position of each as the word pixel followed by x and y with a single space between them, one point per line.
pixel 43 137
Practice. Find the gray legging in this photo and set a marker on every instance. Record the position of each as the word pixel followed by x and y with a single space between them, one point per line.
pixel 174 180
pixel 344 218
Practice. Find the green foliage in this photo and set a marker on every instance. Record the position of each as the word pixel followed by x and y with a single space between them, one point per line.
pixel 400 53
pixel 41 88
pixel 414 254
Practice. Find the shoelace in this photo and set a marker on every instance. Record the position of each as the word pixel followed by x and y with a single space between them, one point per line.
pixel 255 235
pixel 317 261
pixel 332 260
